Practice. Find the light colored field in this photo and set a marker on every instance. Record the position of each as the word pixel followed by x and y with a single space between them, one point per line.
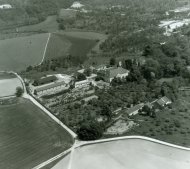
pixel 127 154
pixel 28 136
pixel 18 53
pixel 49 25
pixel 8 86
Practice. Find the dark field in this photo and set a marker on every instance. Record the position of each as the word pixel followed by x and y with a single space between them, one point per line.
pixel 61 45
pixel 28 137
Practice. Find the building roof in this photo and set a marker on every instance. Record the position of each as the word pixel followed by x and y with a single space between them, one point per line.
pixel 164 100
pixel 115 71
pixel 39 89
pixel 46 80
pixel 90 98
pixel 135 108
pixel 81 82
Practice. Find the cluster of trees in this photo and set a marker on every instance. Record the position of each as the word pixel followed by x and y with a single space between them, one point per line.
pixel 61 62
pixel 90 130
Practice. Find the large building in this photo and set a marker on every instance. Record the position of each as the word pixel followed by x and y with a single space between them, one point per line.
pixel 51 88
pixel 135 110
pixel 82 84
pixel 45 80
pixel 118 72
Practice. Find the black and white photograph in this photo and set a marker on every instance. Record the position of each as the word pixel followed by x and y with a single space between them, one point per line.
pixel 95 84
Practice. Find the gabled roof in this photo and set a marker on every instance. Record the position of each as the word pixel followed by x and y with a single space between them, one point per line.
pixel 39 89
pixel 115 71
pixel 164 100
pixel 47 79
pixel 135 108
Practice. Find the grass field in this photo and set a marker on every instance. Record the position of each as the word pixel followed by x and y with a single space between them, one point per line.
pixel 74 43
pixel 28 136
pixel 4 75
pixel 49 25
pixel 19 53
pixel 8 84
pixel 127 154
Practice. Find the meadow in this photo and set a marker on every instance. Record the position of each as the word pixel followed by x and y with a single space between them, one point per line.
pixel 19 53
pixel 28 136
pixel 75 43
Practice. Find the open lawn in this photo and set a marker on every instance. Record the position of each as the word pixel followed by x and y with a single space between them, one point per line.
pixel 126 154
pixel 19 53
pixel 28 136
pixel 49 25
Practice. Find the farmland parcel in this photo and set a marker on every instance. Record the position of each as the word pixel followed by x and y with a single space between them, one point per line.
pixel 126 154
pixel 19 53
pixel 74 43
pixel 28 136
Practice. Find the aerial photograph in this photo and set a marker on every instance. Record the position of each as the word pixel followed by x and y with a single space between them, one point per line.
pixel 95 84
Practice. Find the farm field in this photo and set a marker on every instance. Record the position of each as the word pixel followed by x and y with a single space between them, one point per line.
pixel 8 84
pixel 49 25
pixel 74 43
pixel 129 153
pixel 100 37
pixel 28 136
pixel 19 53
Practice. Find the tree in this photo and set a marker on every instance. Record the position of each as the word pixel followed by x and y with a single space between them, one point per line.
pixel 80 77
pixel 90 131
pixel 106 111
pixel 19 91
pixel 88 72
pixel 61 26
pixel 112 61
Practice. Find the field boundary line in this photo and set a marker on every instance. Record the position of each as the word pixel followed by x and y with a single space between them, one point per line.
pixel 53 159
pixel 33 100
pixel 45 49
pixel 80 144
pixel 86 143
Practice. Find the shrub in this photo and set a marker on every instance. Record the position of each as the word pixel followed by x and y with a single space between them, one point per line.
pixel 177 124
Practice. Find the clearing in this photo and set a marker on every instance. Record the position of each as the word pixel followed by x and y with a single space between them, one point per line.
pixel 19 53
pixel 28 136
